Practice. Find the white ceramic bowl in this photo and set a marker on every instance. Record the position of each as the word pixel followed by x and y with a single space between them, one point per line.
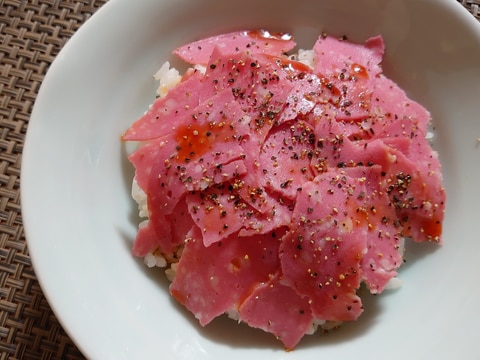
pixel 75 166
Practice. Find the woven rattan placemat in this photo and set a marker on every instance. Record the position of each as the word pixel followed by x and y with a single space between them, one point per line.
pixel 32 33
pixel 473 6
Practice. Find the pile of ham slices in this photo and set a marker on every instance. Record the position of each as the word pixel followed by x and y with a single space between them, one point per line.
pixel 275 187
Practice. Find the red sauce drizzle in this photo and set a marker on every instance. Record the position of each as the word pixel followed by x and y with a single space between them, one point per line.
pixel 291 64
pixel 359 71
pixel 194 140
pixel 432 227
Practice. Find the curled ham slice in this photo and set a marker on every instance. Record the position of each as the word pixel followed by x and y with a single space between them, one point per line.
pixel 253 42
pixel 276 188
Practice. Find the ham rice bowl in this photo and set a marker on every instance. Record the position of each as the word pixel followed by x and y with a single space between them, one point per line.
pixel 273 185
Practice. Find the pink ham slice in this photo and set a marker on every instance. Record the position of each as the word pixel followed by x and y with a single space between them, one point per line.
pixel 276 217
pixel 205 135
pixel 384 237
pixel 285 157
pixel 253 42
pixel 154 234
pixel 310 91
pixel 228 71
pixel 321 255
pixel 334 55
pixel 392 104
pixel 166 182
pixel 352 69
pixel 167 113
pixel 412 177
pixel 416 192
pixel 163 232
pixel 413 185
pixel 211 280
pixel 278 309
pixel 220 212
pixel 258 83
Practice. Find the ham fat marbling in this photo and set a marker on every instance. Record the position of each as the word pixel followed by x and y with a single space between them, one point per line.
pixel 276 187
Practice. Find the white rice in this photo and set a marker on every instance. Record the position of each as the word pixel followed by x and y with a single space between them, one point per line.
pixel 140 198
pixel 306 57
pixel 167 78
pixel 152 260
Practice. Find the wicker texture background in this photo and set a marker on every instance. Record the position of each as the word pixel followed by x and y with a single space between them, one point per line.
pixel 473 6
pixel 32 33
